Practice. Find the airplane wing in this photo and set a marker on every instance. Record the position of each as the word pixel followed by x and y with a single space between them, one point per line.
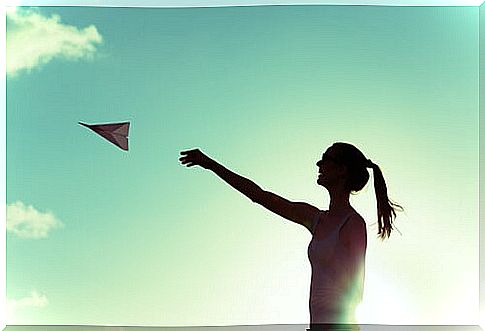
pixel 116 133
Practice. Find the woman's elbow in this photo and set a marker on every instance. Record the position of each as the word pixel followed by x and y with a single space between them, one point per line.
pixel 258 196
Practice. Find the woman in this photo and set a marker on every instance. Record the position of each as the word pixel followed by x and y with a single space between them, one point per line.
pixel 339 238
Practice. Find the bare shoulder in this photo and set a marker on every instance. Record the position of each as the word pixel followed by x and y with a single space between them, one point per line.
pixel 356 220
pixel 299 212
pixel 305 214
pixel 354 230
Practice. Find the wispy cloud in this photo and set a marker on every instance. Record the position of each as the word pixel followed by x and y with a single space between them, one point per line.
pixel 34 300
pixel 27 222
pixel 34 39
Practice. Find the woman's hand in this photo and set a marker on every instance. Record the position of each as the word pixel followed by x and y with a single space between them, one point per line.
pixel 195 157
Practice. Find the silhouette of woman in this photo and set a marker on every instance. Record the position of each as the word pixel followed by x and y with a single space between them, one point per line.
pixel 339 237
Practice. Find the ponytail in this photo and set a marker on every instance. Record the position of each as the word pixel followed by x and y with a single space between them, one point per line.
pixel 386 209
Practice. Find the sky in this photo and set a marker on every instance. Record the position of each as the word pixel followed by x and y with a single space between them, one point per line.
pixel 224 3
pixel 133 238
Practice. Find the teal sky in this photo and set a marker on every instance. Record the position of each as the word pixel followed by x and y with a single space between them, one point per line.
pixel 142 240
pixel 218 3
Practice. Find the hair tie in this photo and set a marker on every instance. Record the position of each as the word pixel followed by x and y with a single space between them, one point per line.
pixel 369 164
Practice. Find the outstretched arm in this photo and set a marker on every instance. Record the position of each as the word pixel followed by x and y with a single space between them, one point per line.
pixel 298 212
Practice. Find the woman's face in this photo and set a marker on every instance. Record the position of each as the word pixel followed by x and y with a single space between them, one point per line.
pixel 329 169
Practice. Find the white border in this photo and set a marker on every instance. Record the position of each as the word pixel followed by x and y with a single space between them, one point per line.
pixel 155 3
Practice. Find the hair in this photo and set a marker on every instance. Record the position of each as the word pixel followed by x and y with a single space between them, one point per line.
pixel 358 176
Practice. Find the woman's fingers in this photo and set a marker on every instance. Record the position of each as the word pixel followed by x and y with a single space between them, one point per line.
pixel 188 161
pixel 189 151
pixel 191 157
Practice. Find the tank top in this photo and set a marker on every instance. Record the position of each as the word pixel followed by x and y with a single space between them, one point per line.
pixel 332 299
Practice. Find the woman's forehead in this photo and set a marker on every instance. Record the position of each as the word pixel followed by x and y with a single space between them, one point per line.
pixel 330 151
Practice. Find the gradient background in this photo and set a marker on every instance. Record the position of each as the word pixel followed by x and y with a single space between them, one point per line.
pixel 264 90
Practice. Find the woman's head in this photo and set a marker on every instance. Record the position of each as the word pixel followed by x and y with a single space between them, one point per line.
pixel 352 163
pixel 344 164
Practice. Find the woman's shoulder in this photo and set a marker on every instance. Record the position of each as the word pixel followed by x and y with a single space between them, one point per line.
pixel 316 219
pixel 354 223
pixel 353 233
pixel 356 216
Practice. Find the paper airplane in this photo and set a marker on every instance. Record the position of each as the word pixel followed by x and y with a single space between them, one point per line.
pixel 116 133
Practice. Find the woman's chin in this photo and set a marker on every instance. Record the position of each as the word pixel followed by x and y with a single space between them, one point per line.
pixel 322 182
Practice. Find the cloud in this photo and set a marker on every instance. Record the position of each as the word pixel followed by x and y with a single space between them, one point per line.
pixel 27 222
pixel 34 40
pixel 35 300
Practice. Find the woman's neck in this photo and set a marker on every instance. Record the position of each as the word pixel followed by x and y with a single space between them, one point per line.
pixel 339 201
